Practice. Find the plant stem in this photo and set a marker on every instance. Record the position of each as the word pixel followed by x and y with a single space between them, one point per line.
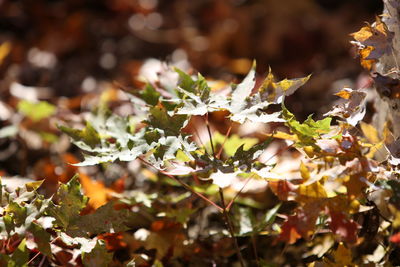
pixel 223 144
pixel 210 136
pixel 184 185
pixel 230 227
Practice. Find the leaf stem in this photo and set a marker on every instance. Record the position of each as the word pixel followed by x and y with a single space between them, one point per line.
pixel 230 227
pixel 223 144
pixel 184 185
pixel 210 136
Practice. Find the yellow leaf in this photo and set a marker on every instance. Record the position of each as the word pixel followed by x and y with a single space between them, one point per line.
pixel 370 133
pixel 314 190
pixel 305 173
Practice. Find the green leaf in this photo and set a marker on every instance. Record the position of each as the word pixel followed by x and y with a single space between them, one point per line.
pixel 171 125
pixel 42 238
pixel 98 257
pixel 88 135
pixel 232 143
pixel 36 111
pixel 20 256
pixel 18 213
pixel 150 95
pixel 71 202
pixel 105 219
pixel 309 129
pixel 247 157
pixel 186 82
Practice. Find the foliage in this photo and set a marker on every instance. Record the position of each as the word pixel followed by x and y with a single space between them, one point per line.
pixel 207 194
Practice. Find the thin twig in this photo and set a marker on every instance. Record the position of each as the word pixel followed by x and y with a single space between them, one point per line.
pixel 223 144
pixel 228 207
pixel 210 136
pixel 230 227
pixel 184 185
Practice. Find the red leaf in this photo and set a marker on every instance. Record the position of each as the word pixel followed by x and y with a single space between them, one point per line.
pixel 344 227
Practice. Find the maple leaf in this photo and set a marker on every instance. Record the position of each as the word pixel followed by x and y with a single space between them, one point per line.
pixel 307 131
pixel 353 109
pixel 342 256
pixel 376 36
pixel 198 99
pixel 247 106
pixel 70 202
pixel 104 219
pixel 98 256
pixel 343 227
pixel 96 191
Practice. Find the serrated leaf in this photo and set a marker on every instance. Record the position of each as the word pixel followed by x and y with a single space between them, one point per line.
pixel 275 91
pixel 171 125
pixel 247 106
pixel 309 129
pixel 246 157
pixel 88 135
pixel 42 238
pixel 20 256
pixel 98 257
pixel 242 91
pixel 70 203
pixel 150 95
pixel 105 219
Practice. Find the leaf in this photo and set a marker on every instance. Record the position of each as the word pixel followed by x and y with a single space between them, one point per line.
pixel 70 202
pixel 8 131
pixel 242 91
pixel 171 125
pixel 314 190
pixel 105 219
pixel 20 256
pixel 42 238
pixel 378 37
pixel 36 111
pixel 5 49
pixel 88 135
pixel 342 257
pixel 98 256
pixel 353 109
pixel 231 143
pixel 96 191
pixel 345 228
pixel 309 130
pixel 150 95
pixel 246 106
pixel 276 91
pixel 246 158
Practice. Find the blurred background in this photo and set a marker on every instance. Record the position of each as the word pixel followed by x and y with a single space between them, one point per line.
pixel 66 51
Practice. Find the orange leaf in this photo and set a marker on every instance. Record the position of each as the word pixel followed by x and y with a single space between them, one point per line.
pixel 97 192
